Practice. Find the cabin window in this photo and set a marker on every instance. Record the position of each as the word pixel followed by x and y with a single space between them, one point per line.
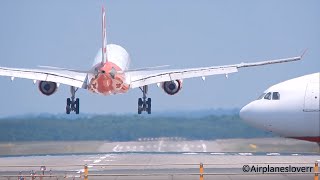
pixel 275 96
pixel 268 96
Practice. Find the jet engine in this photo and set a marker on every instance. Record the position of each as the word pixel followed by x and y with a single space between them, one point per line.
pixel 172 87
pixel 48 88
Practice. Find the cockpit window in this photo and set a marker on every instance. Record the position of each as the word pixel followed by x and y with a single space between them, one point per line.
pixel 275 96
pixel 268 96
pixel 261 96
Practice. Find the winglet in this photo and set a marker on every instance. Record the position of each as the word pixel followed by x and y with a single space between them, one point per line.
pixel 303 53
pixel 104 37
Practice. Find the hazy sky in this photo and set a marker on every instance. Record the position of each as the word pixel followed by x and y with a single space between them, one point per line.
pixel 182 33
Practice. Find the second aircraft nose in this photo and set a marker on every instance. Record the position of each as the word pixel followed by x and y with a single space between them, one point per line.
pixel 244 113
pixel 254 114
pixel 249 113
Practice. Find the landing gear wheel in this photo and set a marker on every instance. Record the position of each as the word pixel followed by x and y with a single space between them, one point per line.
pixel 73 104
pixel 140 105
pixel 77 108
pixel 68 109
pixel 144 104
pixel 149 106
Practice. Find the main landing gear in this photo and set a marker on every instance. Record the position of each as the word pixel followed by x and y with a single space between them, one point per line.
pixel 143 103
pixel 73 103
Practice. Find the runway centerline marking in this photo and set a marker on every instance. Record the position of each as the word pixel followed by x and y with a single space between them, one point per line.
pixel 204 146
pixel 160 144
pixel 115 149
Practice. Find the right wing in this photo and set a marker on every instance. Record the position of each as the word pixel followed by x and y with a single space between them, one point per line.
pixel 71 78
pixel 142 78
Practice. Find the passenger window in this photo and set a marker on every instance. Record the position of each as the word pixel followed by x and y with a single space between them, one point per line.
pixel 268 96
pixel 275 96
pixel 261 96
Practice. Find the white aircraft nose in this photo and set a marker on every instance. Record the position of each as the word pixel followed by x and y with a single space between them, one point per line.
pixel 254 114
pixel 244 115
pixel 247 113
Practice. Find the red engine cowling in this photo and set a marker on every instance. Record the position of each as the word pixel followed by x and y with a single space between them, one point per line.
pixel 172 87
pixel 47 88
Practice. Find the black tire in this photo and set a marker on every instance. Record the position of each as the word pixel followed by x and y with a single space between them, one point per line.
pixel 77 105
pixel 149 105
pixel 68 109
pixel 140 102
pixel 68 101
pixel 140 105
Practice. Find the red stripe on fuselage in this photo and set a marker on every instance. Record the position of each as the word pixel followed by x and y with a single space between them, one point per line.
pixel 312 139
pixel 105 84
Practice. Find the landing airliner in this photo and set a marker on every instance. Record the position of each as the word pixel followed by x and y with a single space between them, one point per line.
pixel 290 109
pixel 110 74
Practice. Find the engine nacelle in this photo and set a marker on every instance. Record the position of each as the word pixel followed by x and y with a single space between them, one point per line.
pixel 172 87
pixel 48 88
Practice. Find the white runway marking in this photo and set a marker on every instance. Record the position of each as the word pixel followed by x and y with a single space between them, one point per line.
pixel 93 157
pixel 190 153
pixel 245 154
pixel 116 148
pixel 79 171
pixel 217 153
pixel 159 146
pixel 294 154
pixel 204 146
pixel 97 161
pixel 273 154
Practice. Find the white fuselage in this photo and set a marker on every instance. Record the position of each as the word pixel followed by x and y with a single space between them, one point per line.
pixel 293 112
pixel 115 54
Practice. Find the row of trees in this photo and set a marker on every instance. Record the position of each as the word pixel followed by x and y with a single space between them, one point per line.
pixel 125 128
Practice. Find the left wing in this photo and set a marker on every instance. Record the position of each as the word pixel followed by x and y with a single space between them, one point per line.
pixel 142 78
pixel 71 78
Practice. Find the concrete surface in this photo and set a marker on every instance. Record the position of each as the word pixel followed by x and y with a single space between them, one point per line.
pixel 160 145
pixel 158 158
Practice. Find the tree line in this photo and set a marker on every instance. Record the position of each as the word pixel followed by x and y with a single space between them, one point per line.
pixel 125 128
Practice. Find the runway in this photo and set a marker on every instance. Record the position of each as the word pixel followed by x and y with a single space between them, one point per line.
pixel 163 158
pixel 155 145
pixel 158 165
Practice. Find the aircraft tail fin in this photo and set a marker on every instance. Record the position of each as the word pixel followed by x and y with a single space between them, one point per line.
pixel 104 37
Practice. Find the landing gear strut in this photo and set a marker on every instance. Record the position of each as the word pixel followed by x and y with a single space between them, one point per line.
pixel 73 102
pixel 144 104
